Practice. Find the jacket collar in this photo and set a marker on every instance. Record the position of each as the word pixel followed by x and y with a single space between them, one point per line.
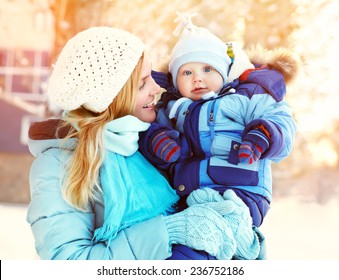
pixel 49 129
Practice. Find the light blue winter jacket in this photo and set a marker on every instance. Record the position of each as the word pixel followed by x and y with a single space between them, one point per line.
pixel 63 232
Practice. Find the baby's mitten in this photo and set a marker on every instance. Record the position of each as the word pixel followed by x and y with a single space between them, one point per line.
pixel 254 144
pixel 165 145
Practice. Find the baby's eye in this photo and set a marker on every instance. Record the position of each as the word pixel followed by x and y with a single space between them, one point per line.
pixel 208 69
pixel 187 72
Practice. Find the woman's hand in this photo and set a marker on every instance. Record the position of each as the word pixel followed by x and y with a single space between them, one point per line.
pixel 202 228
pixel 236 213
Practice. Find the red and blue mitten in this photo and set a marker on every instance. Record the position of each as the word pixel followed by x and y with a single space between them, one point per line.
pixel 253 145
pixel 165 145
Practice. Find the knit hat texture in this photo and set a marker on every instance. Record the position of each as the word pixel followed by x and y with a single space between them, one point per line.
pixel 93 67
pixel 198 44
pixel 240 61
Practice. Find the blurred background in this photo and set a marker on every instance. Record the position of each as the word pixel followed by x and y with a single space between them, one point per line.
pixel 303 222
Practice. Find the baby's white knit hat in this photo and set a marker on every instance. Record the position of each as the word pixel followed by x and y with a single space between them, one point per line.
pixel 198 44
pixel 240 61
pixel 93 67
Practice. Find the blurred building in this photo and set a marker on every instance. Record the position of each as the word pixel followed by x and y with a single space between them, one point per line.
pixel 26 41
pixel 23 76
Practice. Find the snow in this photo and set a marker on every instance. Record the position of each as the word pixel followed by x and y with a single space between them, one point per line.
pixel 302 230
pixel 16 239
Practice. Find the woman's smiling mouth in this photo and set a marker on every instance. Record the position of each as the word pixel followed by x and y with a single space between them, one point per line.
pixel 149 105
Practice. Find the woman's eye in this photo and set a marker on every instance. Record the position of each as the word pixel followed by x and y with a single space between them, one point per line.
pixel 142 86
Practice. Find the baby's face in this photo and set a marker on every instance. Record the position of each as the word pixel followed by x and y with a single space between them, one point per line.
pixel 195 79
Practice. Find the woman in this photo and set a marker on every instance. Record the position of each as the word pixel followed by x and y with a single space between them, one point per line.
pixel 93 195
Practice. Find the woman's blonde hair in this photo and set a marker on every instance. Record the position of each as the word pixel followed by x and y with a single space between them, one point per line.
pixel 81 178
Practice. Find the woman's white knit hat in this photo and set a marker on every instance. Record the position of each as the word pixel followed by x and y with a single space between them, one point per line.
pixel 198 44
pixel 93 67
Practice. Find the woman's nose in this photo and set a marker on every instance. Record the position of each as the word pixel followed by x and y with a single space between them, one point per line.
pixel 155 88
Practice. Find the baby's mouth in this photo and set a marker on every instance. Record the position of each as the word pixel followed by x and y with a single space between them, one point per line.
pixel 198 90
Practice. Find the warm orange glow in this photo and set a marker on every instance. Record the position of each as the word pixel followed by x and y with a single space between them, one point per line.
pixel 308 28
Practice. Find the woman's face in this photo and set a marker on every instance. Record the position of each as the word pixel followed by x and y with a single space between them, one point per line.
pixel 145 99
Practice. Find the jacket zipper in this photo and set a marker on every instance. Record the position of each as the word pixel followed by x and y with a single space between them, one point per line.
pixel 210 117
